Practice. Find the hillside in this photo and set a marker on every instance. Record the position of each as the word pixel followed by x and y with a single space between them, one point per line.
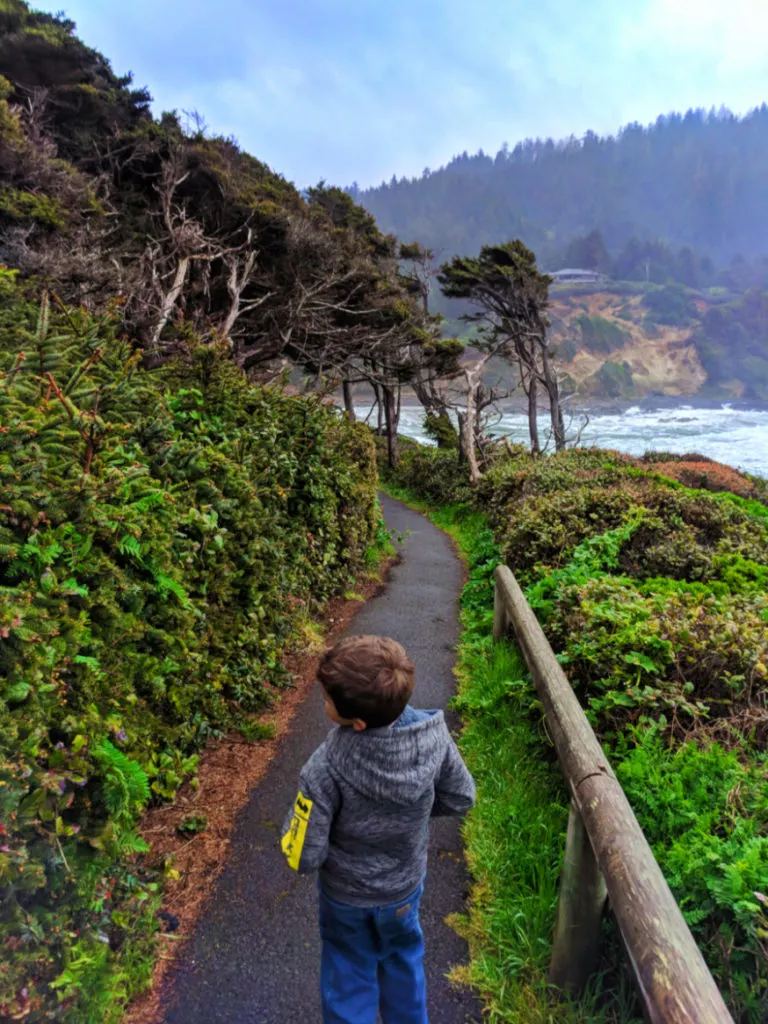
pixel 672 216
pixel 610 350
pixel 658 360
pixel 693 180
pixel 631 341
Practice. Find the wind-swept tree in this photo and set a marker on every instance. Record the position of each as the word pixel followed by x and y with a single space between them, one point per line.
pixel 510 296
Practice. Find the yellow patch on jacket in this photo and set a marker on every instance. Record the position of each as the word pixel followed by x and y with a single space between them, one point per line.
pixel 293 841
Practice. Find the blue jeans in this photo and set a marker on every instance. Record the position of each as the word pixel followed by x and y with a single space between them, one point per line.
pixel 372 961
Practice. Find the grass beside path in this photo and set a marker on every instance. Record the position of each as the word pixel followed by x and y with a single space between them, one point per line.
pixel 515 836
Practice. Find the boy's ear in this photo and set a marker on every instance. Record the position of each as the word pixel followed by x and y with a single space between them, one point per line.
pixel 358 724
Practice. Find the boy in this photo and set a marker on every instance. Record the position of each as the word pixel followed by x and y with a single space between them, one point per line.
pixel 362 819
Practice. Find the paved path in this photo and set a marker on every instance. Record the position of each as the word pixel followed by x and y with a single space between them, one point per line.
pixel 254 957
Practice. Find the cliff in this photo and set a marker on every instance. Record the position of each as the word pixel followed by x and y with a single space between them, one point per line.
pixel 665 341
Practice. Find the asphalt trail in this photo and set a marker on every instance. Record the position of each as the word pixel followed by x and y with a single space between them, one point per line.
pixel 255 954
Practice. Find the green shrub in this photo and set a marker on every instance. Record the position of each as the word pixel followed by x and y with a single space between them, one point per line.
pixel 441 430
pixel 161 534
pixel 566 350
pixel 435 473
pixel 612 380
pixel 680 650
pixel 690 535
pixel 731 343
pixel 705 814
pixel 670 305
pixel 19 205
pixel 601 335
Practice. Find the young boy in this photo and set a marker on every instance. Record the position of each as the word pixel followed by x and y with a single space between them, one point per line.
pixel 362 819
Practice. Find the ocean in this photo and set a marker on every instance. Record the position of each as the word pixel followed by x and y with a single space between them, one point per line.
pixel 727 433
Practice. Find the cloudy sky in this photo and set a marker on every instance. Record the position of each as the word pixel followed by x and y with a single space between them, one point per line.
pixel 360 90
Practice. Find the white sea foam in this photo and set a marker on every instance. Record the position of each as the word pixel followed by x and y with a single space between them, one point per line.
pixel 737 437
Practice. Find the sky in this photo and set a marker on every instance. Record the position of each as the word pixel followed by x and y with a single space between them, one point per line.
pixel 360 90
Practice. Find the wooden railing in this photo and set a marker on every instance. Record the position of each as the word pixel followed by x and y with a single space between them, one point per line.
pixel 606 853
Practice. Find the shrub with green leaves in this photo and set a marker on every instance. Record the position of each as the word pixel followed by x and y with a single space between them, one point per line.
pixel 670 304
pixel 434 473
pixel 695 656
pixel 161 533
pixel 601 335
pixel 705 813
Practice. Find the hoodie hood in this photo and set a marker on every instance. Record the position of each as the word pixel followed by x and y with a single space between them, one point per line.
pixel 397 764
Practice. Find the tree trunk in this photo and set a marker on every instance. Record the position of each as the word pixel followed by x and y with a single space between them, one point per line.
pixel 169 300
pixel 480 438
pixel 348 403
pixel 436 410
pixel 555 407
pixel 470 427
pixel 429 396
pixel 558 424
pixel 390 415
pixel 379 410
pixel 533 426
pixel 462 435
pixel 236 284
pixel 396 396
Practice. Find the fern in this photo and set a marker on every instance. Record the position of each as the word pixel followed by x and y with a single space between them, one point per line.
pixel 166 585
pixel 125 784
pixel 129 842
pixel 129 545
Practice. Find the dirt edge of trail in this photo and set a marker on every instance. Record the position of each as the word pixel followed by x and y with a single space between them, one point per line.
pixel 228 771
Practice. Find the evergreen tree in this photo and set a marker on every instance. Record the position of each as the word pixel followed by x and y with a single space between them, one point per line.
pixel 588 253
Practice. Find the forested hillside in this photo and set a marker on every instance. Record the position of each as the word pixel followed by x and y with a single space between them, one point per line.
pixel 188 231
pixel 672 214
pixel 695 180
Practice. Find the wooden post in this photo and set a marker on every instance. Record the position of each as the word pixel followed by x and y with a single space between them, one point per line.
pixel 500 620
pixel 576 946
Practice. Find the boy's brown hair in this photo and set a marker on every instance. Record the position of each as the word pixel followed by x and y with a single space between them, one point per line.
pixel 368 677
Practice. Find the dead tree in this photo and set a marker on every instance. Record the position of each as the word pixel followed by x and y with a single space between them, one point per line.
pixel 241 265
pixel 488 400
pixel 469 420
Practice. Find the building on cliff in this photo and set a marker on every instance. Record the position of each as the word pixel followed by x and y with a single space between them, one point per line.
pixel 575 276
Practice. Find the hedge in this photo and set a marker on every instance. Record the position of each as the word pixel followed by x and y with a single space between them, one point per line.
pixel 161 535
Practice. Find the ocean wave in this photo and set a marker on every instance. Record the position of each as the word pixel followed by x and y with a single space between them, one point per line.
pixel 736 437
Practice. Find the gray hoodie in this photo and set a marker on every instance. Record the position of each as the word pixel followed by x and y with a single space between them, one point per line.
pixel 362 813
